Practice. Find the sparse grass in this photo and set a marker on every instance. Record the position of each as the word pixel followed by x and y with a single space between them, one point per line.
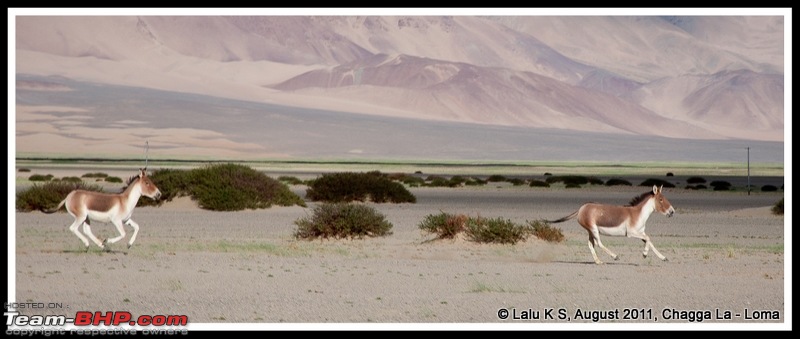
pixel 342 220
pixel 778 207
pixel 290 180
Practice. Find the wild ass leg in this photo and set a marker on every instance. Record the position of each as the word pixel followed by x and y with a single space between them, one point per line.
pixel 135 227
pixel 88 230
pixel 596 236
pixel 647 245
pixel 594 254
pixel 120 230
pixel 74 229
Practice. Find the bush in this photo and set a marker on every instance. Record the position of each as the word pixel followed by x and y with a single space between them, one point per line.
pixel 444 225
pixel 670 174
pixel 720 183
pixel 574 180
pixel 695 180
pixel 113 179
pixel 769 188
pixel 475 182
pixel 72 179
pixel 496 178
pixel 497 230
pixel 618 182
pixel 538 183
pixel 595 181
pixel 722 188
pixel 516 181
pixel 24 169
pixel 342 220
pixel 542 230
pixel 348 187
pixel 223 187
pixel 49 195
pixel 778 207
pixel 657 182
pixel 39 177
pixel 94 175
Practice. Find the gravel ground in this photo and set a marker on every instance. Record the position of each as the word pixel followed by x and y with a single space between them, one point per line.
pixel 245 270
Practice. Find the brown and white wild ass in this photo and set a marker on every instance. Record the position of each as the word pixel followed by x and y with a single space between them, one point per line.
pixel 86 206
pixel 621 220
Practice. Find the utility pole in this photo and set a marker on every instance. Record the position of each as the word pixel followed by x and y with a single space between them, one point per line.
pixel 748 171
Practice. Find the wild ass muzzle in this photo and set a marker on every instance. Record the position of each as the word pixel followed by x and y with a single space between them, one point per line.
pixel 626 221
pixel 86 206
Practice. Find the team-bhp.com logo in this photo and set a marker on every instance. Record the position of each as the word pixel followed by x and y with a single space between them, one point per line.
pixel 85 321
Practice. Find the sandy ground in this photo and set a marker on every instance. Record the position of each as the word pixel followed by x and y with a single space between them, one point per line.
pixel 236 269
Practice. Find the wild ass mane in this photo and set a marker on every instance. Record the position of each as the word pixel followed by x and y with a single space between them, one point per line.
pixel 641 197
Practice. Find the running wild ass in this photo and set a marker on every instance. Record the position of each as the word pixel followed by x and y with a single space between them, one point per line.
pixel 86 206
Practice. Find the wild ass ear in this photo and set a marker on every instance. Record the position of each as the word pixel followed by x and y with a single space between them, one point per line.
pixel 661 189
pixel 655 189
pixel 142 172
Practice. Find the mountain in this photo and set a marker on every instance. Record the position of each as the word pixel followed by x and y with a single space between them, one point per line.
pixel 685 77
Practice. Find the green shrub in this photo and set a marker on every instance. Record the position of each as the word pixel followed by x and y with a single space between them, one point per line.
pixel 39 177
pixel 516 181
pixel 94 175
pixel 475 182
pixel 657 182
pixel 720 183
pixel 618 182
pixel 574 180
pixel 495 230
pixel 538 183
pixel 769 188
pixel 113 179
pixel 722 188
pixel 695 180
pixel 444 225
pixel 223 187
pixel 496 178
pixel 48 195
pixel 543 230
pixel 572 186
pixel 24 169
pixel 778 207
pixel 595 181
pixel 71 179
pixel 342 220
pixel 348 186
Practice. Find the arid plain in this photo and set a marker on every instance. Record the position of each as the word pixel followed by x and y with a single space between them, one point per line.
pixel 233 269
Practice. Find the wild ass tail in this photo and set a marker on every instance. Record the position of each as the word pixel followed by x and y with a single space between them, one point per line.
pixel 571 216
pixel 55 209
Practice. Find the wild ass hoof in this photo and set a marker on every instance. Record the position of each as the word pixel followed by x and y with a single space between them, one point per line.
pixel 616 258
